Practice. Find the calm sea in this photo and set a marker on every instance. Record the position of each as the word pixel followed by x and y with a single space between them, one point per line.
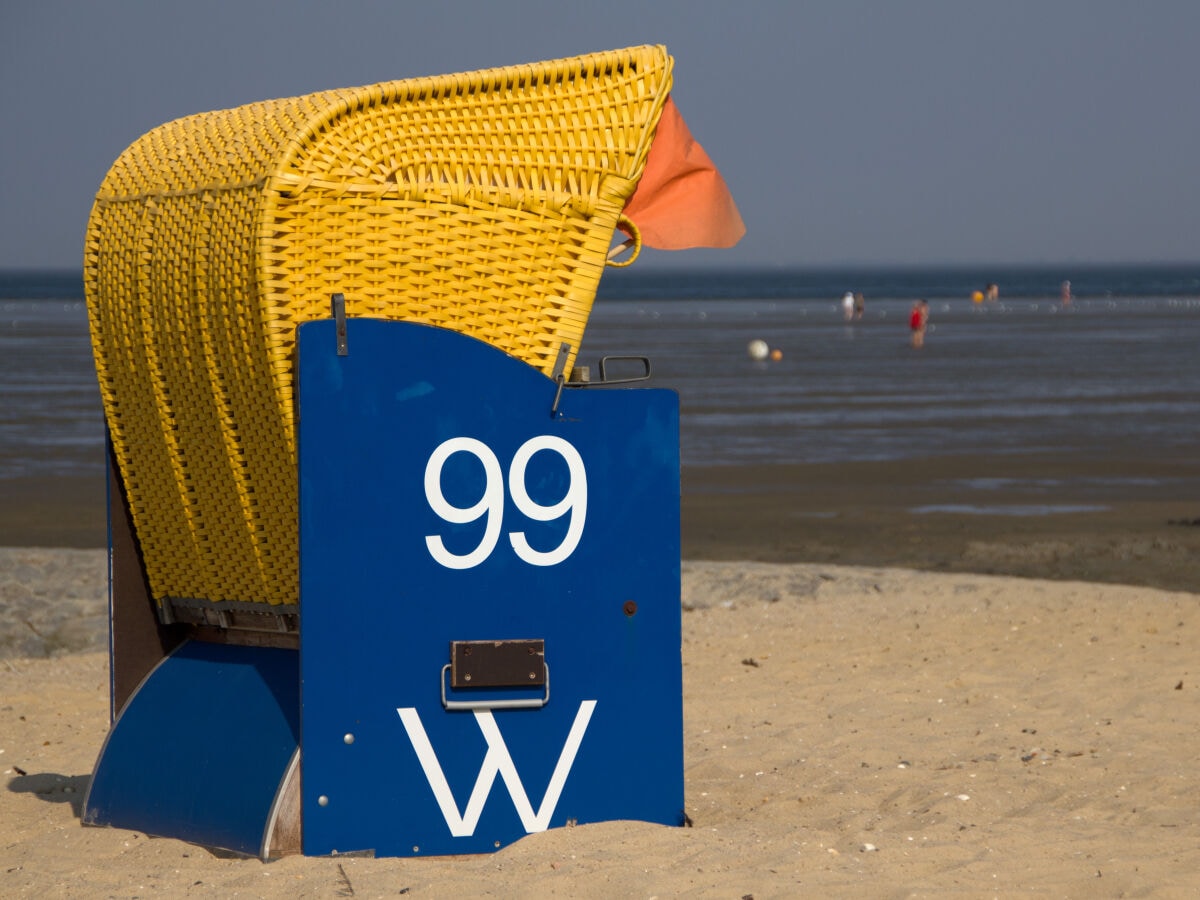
pixel 1116 370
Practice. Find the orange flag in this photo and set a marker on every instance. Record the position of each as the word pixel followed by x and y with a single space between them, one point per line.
pixel 681 200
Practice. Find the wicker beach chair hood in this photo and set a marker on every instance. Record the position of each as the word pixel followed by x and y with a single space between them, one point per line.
pixel 483 202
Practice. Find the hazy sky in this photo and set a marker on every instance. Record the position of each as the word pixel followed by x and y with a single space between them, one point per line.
pixel 850 132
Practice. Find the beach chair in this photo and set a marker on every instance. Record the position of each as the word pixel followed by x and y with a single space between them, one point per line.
pixel 359 508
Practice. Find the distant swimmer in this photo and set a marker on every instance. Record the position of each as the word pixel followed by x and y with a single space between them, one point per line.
pixel 990 293
pixel 848 306
pixel 860 305
pixel 918 320
pixel 1065 292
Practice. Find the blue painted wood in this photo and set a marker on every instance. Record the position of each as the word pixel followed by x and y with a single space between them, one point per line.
pixel 201 747
pixel 385 766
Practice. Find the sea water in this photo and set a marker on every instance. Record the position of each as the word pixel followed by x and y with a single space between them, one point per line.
pixel 51 421
pixel 1021 374
pixel 1117 370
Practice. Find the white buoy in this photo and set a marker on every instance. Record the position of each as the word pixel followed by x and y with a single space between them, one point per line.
pixel 758 349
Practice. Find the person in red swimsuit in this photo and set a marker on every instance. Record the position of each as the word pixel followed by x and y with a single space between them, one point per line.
pixel 917 320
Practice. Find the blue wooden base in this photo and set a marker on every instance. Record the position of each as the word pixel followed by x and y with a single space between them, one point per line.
pixel 201 749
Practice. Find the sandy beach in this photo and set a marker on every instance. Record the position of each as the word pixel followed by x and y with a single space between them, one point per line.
pixel 850 731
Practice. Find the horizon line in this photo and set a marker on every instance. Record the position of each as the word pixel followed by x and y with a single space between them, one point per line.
pixel 776 268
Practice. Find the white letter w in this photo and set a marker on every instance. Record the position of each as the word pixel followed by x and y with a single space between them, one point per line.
pixel 496 761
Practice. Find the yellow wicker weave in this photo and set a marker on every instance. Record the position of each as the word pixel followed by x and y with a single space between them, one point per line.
pixel 483 202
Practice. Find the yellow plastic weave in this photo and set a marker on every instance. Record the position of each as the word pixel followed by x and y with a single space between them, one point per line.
pixel 484 202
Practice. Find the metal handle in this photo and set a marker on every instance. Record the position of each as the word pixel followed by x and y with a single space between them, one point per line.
pixel 530 703
pixel 605 360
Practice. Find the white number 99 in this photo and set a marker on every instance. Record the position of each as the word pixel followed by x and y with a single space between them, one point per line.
pixel 491 504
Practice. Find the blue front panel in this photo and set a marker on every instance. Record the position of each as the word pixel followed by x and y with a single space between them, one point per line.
pixel 441 501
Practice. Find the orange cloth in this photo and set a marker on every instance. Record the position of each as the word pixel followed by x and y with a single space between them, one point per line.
pixel 681 200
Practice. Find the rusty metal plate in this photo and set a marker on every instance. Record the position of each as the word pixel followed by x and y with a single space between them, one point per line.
pixel 480 664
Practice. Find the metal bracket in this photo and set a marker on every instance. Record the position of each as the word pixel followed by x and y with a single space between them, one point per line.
pixel 497 664
pixel 561 380
pixel 338 306
pixel 559 376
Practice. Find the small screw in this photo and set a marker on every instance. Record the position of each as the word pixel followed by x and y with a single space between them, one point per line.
pixel 630 607
pixel 467 677
pixel 322 800
pixel 348 739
